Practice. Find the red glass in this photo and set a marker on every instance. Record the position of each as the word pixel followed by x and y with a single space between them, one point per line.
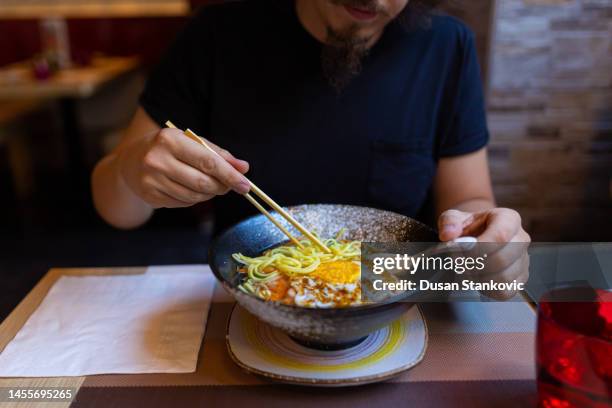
pixel 574 350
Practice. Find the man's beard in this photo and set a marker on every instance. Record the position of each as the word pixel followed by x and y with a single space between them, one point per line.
pixel 341 57
pixel 344 50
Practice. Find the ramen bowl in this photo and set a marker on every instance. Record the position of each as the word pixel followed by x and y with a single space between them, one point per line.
pixel 323 328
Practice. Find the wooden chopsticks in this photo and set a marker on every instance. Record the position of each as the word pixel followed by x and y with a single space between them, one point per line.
pixel 266 199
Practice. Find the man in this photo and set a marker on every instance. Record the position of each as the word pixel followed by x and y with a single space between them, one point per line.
pixel 366 102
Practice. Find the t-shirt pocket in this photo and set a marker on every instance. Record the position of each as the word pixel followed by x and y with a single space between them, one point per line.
pixel 400 175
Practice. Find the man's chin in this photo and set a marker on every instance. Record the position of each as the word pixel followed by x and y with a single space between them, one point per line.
pixel 352 36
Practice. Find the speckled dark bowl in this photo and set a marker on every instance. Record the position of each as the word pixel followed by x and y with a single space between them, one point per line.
pixel 321 328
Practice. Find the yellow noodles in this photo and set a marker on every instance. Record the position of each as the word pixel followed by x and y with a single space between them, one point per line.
pixel 292 262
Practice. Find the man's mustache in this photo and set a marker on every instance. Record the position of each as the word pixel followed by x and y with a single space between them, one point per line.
pixel 370 5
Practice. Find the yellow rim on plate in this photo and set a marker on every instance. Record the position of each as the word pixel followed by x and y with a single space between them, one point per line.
pixel 279 351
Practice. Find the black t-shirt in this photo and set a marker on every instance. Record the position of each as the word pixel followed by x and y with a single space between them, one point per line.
pixel 248 76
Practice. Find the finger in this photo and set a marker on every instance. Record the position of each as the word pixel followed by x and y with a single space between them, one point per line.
pixel 159 199
pixel 211 164
pixel 500 256
pixel 451 223
pixel 502 225
pixel 153 192
pixel 512 272
pixel 240 165
pixel 172 137
pixel 509 294
pixel 194 179
pixel 180 192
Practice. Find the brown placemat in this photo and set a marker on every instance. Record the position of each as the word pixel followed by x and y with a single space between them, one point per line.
pixel 485 347
pixel 479 355
pixel 438 394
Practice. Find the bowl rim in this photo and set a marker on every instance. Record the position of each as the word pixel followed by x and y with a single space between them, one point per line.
pixel 333 310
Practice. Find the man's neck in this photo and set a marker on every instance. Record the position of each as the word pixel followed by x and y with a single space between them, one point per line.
pixel 313 22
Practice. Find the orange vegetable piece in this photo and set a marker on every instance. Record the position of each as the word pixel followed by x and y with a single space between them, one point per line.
pixel 279 288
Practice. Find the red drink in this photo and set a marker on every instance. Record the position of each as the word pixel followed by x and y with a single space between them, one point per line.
pixel 574 349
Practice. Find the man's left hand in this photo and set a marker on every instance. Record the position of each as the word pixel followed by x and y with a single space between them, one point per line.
pixel 502 231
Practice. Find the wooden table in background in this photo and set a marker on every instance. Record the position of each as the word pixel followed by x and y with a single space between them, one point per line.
pixel 17 84
pixel 92 8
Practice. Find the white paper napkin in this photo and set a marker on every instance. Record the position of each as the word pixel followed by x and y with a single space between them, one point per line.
pixel 147 323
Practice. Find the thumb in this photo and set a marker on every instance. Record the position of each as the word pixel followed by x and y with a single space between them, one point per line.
pixel 451 223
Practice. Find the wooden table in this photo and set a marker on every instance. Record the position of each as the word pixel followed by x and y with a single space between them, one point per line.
pixel 17 85
pixel 10 112
pixel 15 9
pixel 476 362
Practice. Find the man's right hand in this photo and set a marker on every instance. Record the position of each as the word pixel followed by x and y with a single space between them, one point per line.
pixel 167 169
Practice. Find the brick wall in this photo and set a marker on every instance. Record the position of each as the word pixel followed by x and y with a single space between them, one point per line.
pixel 550 113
